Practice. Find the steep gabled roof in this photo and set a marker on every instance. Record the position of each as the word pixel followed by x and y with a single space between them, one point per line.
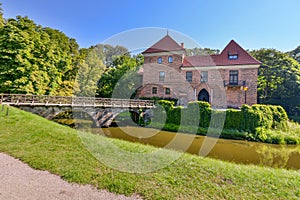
pixel 244 58
pixel 166 44
pixel 233 48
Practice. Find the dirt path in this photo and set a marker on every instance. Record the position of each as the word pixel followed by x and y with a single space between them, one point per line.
pixel 19 181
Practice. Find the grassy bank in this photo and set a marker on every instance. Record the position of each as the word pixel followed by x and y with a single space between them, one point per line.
pixel 49 146
pixel 289 136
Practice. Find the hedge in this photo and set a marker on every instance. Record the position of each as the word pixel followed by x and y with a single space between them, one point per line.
pixel 251 119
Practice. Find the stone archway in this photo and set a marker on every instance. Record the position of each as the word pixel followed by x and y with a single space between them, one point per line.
pixel 203 95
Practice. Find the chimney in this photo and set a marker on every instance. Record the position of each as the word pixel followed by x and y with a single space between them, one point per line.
pixel 182 44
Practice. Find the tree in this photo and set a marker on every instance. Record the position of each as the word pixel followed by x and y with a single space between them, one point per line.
pixel 278 79
pixel 201 51
pixel 93 62
pixel 121 80
pixel 90 67
pixel 1 16
pixel 295 54
pixel 36 60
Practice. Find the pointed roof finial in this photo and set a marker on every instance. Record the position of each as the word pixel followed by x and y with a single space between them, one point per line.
pixel 167 31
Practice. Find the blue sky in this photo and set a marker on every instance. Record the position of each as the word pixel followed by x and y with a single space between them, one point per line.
pixel 253 24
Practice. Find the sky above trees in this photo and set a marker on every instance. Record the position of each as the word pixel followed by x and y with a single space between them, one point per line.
pixel 252 23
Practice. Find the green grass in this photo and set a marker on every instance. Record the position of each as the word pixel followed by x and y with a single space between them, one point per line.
pixel 274 136
pixel 49 146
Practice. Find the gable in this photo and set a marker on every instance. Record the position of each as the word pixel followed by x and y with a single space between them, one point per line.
pixel 166 44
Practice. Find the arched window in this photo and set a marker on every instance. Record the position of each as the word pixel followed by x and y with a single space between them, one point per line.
pixel 170 59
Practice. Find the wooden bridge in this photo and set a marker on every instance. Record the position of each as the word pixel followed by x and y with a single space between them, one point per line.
pixel 101 110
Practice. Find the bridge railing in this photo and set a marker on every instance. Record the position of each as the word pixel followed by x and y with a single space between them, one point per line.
pixel 44 100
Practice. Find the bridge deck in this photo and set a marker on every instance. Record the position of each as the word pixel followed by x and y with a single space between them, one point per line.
pixel 44 100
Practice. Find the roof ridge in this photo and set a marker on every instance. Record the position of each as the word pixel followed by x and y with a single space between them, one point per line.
pixel 165 44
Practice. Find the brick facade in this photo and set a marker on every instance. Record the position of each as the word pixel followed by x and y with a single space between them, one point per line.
pixel 222 90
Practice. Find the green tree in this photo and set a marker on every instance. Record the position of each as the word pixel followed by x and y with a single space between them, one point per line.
pixel 1 16
pixel 91 67
pixel 295 54
pixel 121 80
pixel 36 60
pixel 278 79
pixel 201 51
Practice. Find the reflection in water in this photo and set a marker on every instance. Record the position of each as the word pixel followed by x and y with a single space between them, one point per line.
pixel 276 156
pixel 283 156
pixel 237 151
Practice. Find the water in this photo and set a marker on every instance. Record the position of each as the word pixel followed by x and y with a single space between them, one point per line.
pixel 281 156
pixel 238 151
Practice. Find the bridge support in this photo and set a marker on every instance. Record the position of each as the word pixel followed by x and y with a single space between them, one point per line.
pixel 102 117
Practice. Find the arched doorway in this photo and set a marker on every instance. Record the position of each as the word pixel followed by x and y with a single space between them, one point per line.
pixel 203 95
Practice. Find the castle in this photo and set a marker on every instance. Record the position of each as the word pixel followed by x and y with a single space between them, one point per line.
pixel 228 79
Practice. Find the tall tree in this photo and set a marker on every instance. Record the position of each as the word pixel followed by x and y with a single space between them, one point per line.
pixel 90 68
pixel 278 79
pixel 295 54
pixel 121 80
pixel 1 16
pixel 35 60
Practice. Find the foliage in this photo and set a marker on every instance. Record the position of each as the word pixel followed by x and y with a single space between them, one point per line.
pixel 90 67
pixel 36 60
pixel 295 54
pixel 256 123
pixel 156 99
pixel 278 79
pixel 201 51
pixel 1 16
pixel 121 79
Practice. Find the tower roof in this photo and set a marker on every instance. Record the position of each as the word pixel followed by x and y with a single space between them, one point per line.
pixel 166 44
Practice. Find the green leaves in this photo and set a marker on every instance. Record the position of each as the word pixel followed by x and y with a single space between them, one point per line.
pixel 121 80
pixel 278 79
pixel 36 60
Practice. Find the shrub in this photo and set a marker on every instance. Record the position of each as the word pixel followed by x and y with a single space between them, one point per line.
pixel 266 115
pixel 250 118
pixel 280 117
pixel 167 105
pixel 234 120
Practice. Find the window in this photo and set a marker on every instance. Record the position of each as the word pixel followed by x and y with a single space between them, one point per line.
pixel 154 90
pixel 204 76
pixel 167 91
pixel 233 77
pixel 170 59
pixel 233 56
pixel 159 60
pixel 161 76
pixel 189 76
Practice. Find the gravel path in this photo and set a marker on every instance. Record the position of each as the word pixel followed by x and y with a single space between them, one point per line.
pixel 19 181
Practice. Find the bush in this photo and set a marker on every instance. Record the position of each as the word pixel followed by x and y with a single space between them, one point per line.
pixel 251 122
pixel 234 120
pixel 266 115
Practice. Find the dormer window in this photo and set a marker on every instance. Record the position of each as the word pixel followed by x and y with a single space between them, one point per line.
pixel 159 60
pixel 233 56
pixel 170 59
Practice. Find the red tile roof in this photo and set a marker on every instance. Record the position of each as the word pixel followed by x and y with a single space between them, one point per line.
pixel 199 61
pixel 166 44
pixel 244 58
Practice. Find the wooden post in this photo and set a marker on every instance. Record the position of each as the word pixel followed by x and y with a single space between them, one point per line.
pixel 7 111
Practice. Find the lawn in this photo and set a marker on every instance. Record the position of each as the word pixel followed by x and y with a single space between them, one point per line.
pixel 73 155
